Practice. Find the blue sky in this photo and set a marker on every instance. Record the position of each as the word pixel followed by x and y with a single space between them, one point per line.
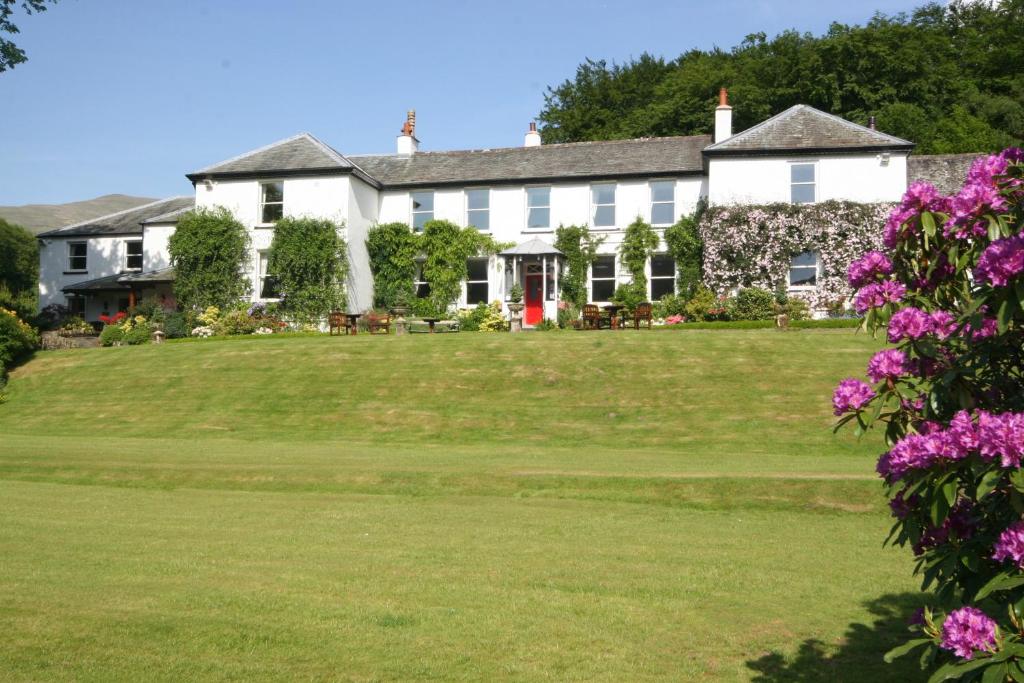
pixel 126 97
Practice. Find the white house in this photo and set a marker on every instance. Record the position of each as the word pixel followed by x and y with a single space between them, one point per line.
pixel 519 195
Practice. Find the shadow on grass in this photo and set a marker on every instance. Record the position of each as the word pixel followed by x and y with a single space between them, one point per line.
pixel 858 656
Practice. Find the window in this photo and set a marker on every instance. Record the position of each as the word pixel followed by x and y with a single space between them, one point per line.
pixel 803 270
pixel 602 278
pixel 476 281
pixel 663 202
pixel 801 179
pixel 538 208
pixel 76 305
pixel 77 261
pixel 478 209
pixel 663 276
pixel 269 288
pixel 271 202
pixel 602 197
pixel 422 209
pixel 422 286
pixel 133 255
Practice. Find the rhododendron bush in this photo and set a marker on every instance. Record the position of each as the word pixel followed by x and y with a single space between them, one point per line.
pixel 947 290
pixel 753 245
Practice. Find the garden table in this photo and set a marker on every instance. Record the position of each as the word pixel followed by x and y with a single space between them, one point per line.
pixel 353 319
pixel 431 322
pixel 613 312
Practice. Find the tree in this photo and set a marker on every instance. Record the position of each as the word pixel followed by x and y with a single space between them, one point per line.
pixel 579 246
pixel 19 270
pixel 687 250
pixel 10 54
pixel 309 259
pixel 209 251
pixel 392 248
pixel 638 243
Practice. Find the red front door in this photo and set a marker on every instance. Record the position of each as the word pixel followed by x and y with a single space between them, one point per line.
pixel 534 299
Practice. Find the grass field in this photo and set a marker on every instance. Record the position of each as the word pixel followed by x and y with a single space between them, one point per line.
pixel 599 506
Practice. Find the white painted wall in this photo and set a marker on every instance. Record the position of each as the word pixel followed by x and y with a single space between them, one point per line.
pixel 763 180
pixel 104 256
pixel 155 254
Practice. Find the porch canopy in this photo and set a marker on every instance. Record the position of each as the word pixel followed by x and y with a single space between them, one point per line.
pixel 534 247
pixel 535 257
pixel 122 282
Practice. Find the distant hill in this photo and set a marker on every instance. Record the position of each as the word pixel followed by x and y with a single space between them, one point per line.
pixel 39 217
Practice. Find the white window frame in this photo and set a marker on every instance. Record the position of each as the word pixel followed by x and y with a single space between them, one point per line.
pixel 419 280
pixel 651 202
pixel 813 183
pixel 263 257
pixel 594 205
pixel 817 271
pixel 614 279
pixel 465 197
pixel 260 222
pixel 651 277
pixel 486 281
pixel 526 202
pixel 127 255
pixel 70 268
pixel 413 212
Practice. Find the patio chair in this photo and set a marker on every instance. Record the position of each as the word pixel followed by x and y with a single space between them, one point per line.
pixel 592 318
pixel 377 322
pixel 337 320
pixel 642 314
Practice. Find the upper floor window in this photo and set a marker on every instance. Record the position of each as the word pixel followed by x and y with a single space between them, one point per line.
pixel 268 283
pixel 602 200
pixel 77 260
pixel 538 208
pixel 663 202
pixel 133 255
pixel 478 209
pixel 803 269
pixel 801 183
pixel 663 276
pixel 422 209
pixel 602 278
pixel 476 281
pixel 271 202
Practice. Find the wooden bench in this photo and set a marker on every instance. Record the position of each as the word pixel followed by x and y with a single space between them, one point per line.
pixel 642 314
pixel 377 322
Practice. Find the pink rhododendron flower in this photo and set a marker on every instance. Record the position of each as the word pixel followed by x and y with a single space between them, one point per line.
pixel 943 324
pixel 909 323
pixel 1001 436
pixel 966 630
pixel 851 394
pixel 1001 261
pixel 867 268
pixel 888 364
pixel 920 196
pixel 1010 545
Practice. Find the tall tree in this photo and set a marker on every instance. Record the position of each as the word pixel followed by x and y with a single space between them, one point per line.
pixel 19 269
pixel 10 54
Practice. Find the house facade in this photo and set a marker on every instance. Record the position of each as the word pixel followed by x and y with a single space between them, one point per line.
pixel 518 195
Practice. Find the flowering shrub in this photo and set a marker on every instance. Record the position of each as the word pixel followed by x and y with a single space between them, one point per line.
pixel 752 245
pixel 17 339
pixel 949 292
pixel 202 331
pixel 115 319
pixel 483 318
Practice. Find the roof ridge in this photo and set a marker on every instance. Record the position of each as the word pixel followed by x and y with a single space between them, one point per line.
pixel 330 151
pixel 778 117
pixel 117 213
pixel 324 147
pixel 553 145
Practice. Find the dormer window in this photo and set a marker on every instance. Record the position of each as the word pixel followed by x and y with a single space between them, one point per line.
pixel 802 183
pixel 271 202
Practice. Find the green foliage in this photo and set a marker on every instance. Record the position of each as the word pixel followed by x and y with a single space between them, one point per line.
pixel 210 252
pixel 687 249
pixel 176 325
pixel 670 304
pixel 19 269
pixel 447 248
pixel 111 335
pixel 483 318
pixel 629 295
pixel 392 248
pixel 17 340
pixel 638 243
pixel 138 334
pixel 753 303
pixel 702 304
pixel 931 76
pixel 567 315
pixel 515 294
pixel 580 249
pixel 10 54
pixel 546 325
pixel 308 258
pixel 237 321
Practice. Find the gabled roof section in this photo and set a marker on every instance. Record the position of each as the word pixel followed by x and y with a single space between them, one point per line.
pixel 297 155
pixel 127 222
pixel 534 247
pixel 644 157
pixel 804 129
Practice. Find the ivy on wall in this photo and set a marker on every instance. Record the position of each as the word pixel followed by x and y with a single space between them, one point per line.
pixel 638 243
pixel 687 249
pixel 753 245
pixel 308 257
pixel 580 249
pixel 392 248
pixel 210 254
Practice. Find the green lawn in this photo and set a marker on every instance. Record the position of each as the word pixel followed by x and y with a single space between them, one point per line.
pixel 558 506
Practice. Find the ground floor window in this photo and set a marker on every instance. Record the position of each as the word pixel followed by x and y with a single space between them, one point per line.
pixel 422 286
pixel 803 269
pixel 269 288
pixel 476 281
pixel 602 278
pixel 75 305
pixel 663 276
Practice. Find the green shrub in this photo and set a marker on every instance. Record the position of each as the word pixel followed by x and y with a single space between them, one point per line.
pixel 753 303
pixel 546 325
pixel 392 248
pixel 309 259
pixel 701 304
pixel 236 322
pixel 630 295
pixel 210 252
pixel 111 334
pixel 670 304
pixel 17 340
pixel 140 333
pixel 579 246
pixel 176 325
pixel 19 270
pixel 483 318
pixel 567 315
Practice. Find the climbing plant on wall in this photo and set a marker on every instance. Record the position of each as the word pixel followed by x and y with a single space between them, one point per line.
pixel 687 250
pixel 308 258
pixel 210 254
pixel 753 245
pixel 580 249
pixel 392 248
pixel 638 243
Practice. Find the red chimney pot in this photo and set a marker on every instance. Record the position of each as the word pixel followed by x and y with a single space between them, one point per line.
pixel 723 98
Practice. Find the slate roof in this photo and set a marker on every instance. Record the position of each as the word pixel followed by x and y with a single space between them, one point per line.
pixel 534 247
pixel 643 157
pixel 945 171
pixel 121 281
pixel 170 216
pixel 127 222
pixel 802 128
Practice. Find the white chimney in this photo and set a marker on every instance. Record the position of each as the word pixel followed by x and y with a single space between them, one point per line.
pixel 407 142
pixel 723 117
pixel 532 136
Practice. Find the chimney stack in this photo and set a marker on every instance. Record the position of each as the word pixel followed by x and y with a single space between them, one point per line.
pixel 532 136
pixel 871 122
pixel 407 143
pixel 723 117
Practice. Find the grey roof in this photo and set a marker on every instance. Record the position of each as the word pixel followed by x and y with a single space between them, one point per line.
pixel 302 152
pixel 945 171
pixel 127 222
pixel 582 160
pixel 804 128
pixel 534 247
pixel 121 281
pixel 170 216
pixel 162 275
